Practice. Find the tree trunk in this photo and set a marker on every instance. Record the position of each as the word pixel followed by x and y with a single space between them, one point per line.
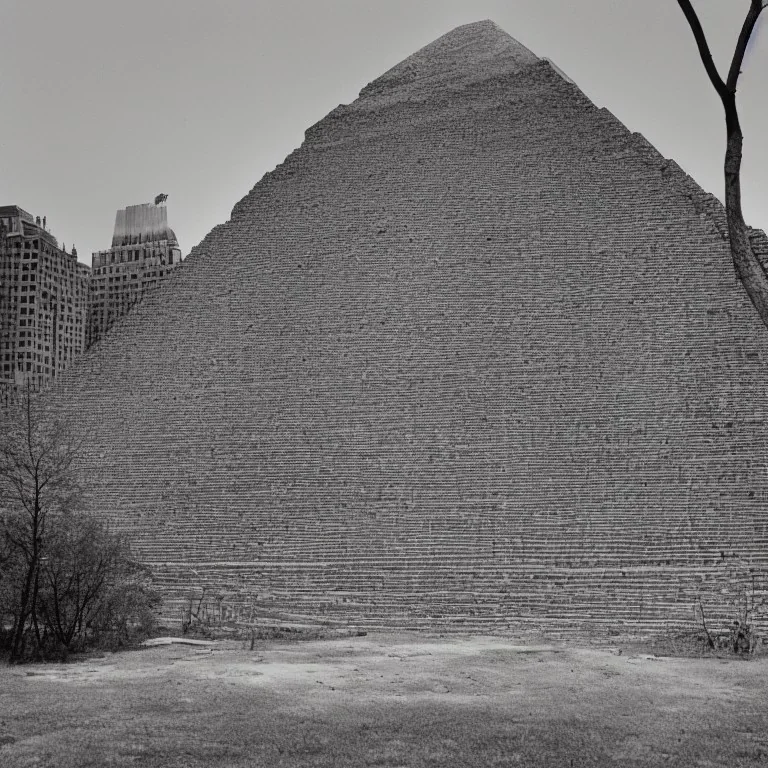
pixel 35 623
pixel 748 268
pixel 17 646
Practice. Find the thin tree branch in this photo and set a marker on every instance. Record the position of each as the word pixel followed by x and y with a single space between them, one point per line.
pixel 704 52
pixel 741 46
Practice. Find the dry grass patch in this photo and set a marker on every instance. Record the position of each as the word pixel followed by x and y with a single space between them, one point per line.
pixel 385 701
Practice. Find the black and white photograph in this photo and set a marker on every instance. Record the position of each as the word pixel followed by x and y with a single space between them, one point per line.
pixel 383 383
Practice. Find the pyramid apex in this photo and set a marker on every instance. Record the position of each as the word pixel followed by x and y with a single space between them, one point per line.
pixel 484 25
pixel 467 53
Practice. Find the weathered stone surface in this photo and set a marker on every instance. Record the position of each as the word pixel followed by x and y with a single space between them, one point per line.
pixel 474 354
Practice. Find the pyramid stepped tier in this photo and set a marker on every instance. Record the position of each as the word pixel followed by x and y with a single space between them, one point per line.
pixel 473 357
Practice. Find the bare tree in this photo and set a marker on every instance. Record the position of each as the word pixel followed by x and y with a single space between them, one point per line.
pixel 36 485
pixel 90 588
pixel 66 581
pixel 748 268
pixel 80 558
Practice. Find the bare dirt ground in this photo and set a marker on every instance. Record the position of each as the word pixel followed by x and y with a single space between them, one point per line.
pixel 385 700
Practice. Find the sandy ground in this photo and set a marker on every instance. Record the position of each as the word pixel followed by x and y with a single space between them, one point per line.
pixel 387 700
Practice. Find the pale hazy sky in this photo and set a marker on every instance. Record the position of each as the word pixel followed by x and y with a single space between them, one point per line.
pixel 106 104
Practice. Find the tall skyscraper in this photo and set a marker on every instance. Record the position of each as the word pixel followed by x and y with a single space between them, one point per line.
pixel 144 251
pixel 43 303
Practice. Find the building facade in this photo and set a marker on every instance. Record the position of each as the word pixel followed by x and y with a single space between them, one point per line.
pixel 43 303
pixel 144 251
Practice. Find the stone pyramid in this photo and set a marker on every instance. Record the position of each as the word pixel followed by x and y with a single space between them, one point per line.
pixel 473 356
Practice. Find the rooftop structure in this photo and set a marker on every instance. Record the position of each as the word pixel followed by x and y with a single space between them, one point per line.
pixel 144 223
